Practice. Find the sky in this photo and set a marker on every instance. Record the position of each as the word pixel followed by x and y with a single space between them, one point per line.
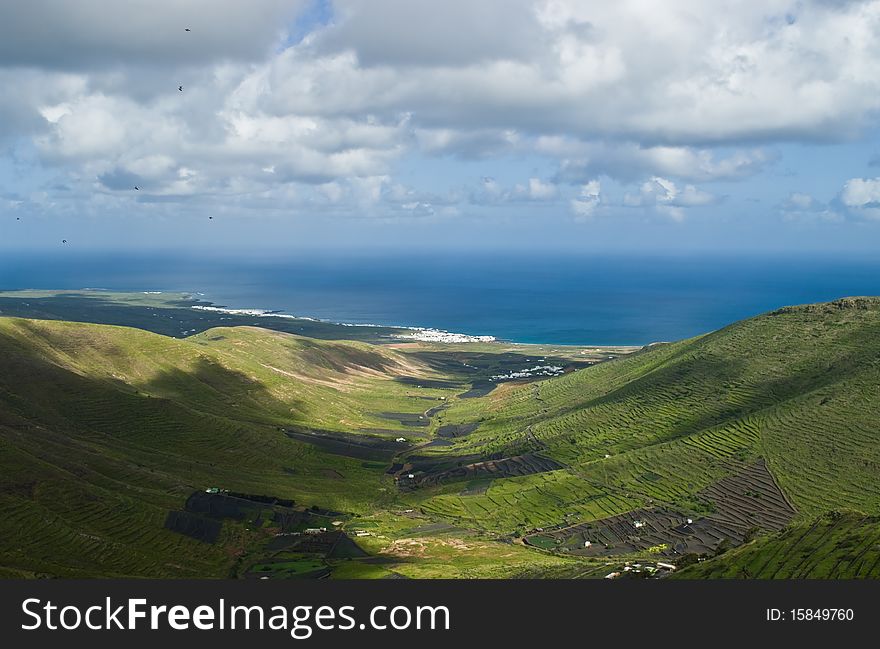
pixel 410 124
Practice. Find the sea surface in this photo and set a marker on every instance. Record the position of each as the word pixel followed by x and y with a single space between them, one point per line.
pixel 521 297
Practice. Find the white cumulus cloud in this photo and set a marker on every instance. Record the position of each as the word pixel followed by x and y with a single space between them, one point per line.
pixel 588 200
pixel 682 92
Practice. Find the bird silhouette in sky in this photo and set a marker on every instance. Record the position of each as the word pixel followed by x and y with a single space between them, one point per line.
pixel 210 218
pixel 137 188
pixel 180 88
pixel 187 29
pixel 64 241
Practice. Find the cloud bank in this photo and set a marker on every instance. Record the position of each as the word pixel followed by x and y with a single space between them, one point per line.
pixel 316 107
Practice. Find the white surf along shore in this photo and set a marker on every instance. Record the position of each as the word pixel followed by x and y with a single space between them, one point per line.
pixel 422 334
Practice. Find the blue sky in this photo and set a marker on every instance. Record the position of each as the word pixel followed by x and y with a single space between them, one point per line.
pixel 551 125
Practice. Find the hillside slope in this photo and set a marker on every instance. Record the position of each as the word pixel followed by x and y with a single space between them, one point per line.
pixel 751 432
pixel 796 389
pixel 107 433
pixel 834 546
pixel 103 430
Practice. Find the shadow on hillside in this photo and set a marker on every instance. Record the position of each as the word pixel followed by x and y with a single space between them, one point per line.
pixel 696 386
pixel 679 383
pixel 28 375
pixel 217 390
pixel 815 376
pixel 68 341
pixel 341 359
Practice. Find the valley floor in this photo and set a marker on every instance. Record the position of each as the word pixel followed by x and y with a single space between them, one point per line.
pixel 168 441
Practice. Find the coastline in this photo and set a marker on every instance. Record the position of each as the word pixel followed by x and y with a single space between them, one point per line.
pixel 420 334
pixel 620 300
pixel 417 333
pixel 200 301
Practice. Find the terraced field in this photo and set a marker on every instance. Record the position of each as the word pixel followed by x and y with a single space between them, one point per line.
pixel 741 505
pixel 516 505
pixel 508 467
pixel 106 431
pixel 669 419
pixel 833 546
pixel 753 433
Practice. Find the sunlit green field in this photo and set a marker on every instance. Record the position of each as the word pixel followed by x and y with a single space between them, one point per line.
pixel 105 429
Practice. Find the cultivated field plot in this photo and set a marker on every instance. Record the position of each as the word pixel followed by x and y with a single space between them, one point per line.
pixel 509 467
pixel 833 546
pixel 308 554
pixel 406 418
pixel 516 505
pixel 479 389
pixel 456 430
pixel 362 447
pixel 331 544
pixel 236 506
pixel 420 382
pixel 194 526
pixel 293 567
pixel 203 514
pixel 750 500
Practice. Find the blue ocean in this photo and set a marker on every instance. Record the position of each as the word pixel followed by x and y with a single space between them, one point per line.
pixel 522 297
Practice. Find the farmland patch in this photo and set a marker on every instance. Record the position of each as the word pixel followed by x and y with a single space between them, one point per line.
pixel 518 465
pixel 741 504
pixel 197 527
pixel 361 447
pixel 457 430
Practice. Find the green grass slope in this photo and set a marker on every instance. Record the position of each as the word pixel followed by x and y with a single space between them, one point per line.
pixel 833 546
pixel 798 387
pixel 104 429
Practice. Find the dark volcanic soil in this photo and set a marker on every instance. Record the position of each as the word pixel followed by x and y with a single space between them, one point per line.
pixel 362 447
pixel 742 503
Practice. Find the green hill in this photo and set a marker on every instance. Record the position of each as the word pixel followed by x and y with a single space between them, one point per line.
pixel 833 546
pixel 104 430
pixel 749 435
pixel 796 388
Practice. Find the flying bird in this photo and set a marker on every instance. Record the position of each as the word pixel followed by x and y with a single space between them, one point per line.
pixel 180 88
pixel 210 218
pixel 187 29
pixel 137 188
pixel 64 241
